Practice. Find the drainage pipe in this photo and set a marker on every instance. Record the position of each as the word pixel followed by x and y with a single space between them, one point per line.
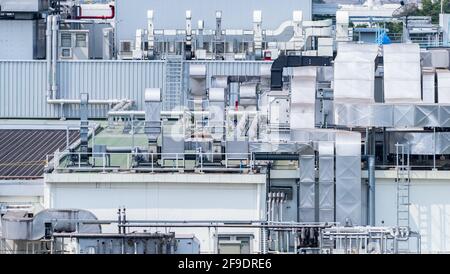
pixel 371 171
pixel 91 102
pixel 48 56
pixel 55 28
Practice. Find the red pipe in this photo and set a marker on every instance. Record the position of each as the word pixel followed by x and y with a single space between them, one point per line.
pixel 102 17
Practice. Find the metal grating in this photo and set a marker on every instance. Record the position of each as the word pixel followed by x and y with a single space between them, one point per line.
pixel 23 153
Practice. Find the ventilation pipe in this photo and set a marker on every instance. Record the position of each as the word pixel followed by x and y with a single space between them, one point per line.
pixel 49 55
pixel 55 28
pixel 371 170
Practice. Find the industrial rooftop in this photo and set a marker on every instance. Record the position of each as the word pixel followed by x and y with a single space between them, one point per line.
pixel 196 127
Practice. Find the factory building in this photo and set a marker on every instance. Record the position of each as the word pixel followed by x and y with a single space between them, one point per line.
pixel 195 127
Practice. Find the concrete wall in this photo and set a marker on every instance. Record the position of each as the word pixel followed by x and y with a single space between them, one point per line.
pixel 164 197
pixel 430 209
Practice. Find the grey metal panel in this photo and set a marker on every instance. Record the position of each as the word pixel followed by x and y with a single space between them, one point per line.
pixel 23 90
pixel 326 168
pixel 348 177
pixel 381 115
pixel 443 143
pixel 307 188
pixel 348 189
pixel 23 84
pixel 107 80
pixel 421 143
pixel 444 116
pixel 426 115
pixel 404 115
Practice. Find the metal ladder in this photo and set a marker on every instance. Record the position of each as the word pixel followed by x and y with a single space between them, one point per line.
pixel 173 85
pixel 403 181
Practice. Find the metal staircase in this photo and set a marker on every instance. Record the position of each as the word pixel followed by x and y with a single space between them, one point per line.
pixel 173 85
pixel 403 181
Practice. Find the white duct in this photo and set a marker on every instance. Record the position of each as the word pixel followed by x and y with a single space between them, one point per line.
pixel 354 72
pixel 303 97
pixel 257 32
pixel 342 23
pixel 428 91
pixel 443 77
pixel 297 18
pixel 402 73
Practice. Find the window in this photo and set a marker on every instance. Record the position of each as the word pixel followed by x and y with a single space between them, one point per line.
pixel 80 40
pixel 235 244
pixel 66 40
pixel 66 53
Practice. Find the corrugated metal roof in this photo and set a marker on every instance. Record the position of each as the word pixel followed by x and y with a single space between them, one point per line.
pixel 23 153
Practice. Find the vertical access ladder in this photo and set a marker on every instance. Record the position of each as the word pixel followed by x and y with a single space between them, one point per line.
pixel 403 181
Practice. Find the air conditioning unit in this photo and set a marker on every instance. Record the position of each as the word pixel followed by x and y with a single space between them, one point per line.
pixel 126 50
pixel 74 44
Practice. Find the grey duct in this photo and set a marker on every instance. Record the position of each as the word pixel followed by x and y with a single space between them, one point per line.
pixel 348 178
pixel 15 227
pixel 326 181
pixel 391 115
pixel 152 114
pixel 371 205
pixel 307 174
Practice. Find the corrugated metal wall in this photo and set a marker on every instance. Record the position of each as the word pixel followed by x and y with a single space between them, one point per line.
pixel 23 83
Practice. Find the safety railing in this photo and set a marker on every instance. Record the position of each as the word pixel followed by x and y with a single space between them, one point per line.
pixel 152 162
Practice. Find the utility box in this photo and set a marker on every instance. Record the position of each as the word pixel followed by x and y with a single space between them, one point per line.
pixel 73 44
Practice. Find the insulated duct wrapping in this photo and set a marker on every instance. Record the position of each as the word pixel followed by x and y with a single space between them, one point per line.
pixel 303 97
pixel 217 112
pixel 197 75
pixel 348 177
pixel 402 73
pixel 354 72
pixel 443 78
pixel 247 94
pixel 428 90
pixel 152 97
pixel 307 188
pixel 326 181
pixel 421 143
pixel 392 115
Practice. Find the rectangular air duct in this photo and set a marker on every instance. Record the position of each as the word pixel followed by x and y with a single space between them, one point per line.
pixel 348 178
pixel 326 181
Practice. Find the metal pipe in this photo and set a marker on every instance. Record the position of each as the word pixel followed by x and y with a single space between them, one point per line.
pixel 49 55
pixel 55 28
pixel 92 102
pixel 371 171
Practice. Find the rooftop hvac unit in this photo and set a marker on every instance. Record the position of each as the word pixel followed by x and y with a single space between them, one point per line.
pixel 126 50
pixel 74 44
